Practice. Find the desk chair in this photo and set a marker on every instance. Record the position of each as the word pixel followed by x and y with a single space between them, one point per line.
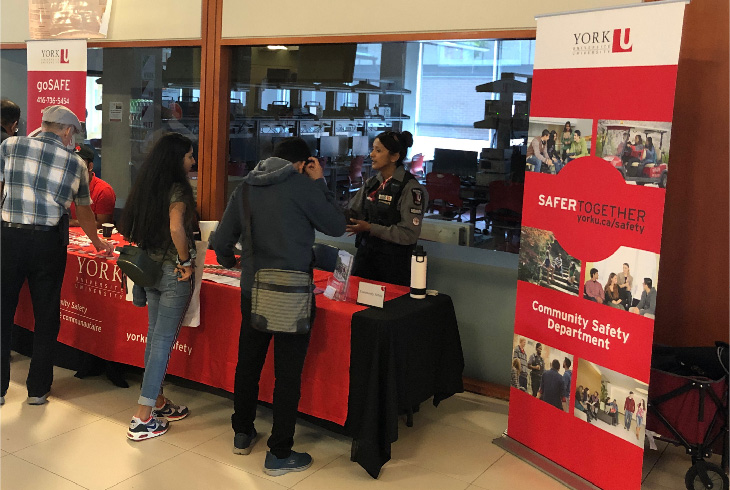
pixel 325 257
pixel 504 209
pixel 443 194
pixel 347 187
pixel 416 166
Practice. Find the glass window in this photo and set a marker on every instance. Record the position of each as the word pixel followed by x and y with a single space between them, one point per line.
pixel 338 97
pixel 158 90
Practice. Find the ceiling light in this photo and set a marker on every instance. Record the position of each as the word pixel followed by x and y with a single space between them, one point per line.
pixel 276 47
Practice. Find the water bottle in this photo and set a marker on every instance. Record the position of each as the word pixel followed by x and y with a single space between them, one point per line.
pixel 418 273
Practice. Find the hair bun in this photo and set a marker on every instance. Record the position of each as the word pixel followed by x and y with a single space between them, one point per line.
pixel 406 139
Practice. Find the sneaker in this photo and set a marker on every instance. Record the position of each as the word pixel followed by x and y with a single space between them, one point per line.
pixel 37 400
pixel 170 411
pixel 243 443
pixel 140 430
pixel 274 466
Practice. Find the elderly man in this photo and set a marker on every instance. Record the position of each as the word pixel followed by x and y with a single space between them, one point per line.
pixel 39 178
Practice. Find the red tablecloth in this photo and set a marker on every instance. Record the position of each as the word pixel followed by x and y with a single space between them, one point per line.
pixel 96 318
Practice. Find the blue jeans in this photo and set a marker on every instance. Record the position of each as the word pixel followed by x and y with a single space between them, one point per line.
pixel 627 419
pixel 537 164
pixel 166 307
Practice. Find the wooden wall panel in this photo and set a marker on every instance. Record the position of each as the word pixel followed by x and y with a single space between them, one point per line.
pixel 692 308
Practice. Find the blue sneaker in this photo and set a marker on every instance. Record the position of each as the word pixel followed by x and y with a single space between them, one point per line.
pixel 139 430
pixel 170 411
pixel 38 400
pixel 274 466
pixel 243 443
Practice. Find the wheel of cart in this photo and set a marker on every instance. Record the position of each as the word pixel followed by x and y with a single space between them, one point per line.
pixel 688 407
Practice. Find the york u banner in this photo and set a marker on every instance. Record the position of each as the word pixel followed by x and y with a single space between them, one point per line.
pixel 56 76
pixel 597 173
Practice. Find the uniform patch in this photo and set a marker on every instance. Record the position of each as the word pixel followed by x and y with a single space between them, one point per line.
pixel 385 197
pixel 417 196
pixel 415 210
pixel 416 221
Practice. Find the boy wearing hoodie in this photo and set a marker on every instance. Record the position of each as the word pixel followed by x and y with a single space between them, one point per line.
pixel 289 200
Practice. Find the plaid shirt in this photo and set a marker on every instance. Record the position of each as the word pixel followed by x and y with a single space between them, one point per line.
pixel 41 178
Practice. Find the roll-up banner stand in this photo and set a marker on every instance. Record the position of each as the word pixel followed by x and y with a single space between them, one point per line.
pixel 56 76
pixel 604 82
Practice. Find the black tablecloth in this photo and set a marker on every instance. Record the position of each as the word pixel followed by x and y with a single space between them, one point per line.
pixel 401 355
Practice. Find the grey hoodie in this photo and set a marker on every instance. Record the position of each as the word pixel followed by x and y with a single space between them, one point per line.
pixel 286 208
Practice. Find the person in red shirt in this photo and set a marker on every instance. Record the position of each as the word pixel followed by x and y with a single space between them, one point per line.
pixel 629 409
pixel 593 289
pixel 102 194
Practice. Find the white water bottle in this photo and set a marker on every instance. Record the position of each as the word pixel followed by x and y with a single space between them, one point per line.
pixel 418 273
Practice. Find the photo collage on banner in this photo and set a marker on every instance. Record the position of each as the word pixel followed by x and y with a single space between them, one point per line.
pixel 595 183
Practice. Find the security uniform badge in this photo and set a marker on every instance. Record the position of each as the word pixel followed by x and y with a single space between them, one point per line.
pixel 417 195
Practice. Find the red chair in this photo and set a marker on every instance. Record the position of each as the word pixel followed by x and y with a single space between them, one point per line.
pixel 504 209
pixel 416 166
pixel 354 181
pixel 443 194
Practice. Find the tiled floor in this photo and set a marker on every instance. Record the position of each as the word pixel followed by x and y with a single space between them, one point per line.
pixel 77 441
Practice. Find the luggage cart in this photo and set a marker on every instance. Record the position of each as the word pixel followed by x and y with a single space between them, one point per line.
pixel 688 406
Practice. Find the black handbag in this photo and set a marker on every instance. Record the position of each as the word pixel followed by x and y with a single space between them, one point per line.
pixel 138 266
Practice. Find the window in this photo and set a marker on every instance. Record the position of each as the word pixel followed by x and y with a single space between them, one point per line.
pixel 339 97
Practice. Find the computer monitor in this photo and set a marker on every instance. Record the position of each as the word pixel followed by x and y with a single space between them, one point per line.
pixel 332 146
pixel 458 162
pixel 311 141
pixel 359 145
pixel 326 63
pixel 243 149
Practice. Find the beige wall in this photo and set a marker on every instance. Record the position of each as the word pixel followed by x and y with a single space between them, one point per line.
pixel 253 18
pixel 588 377
pixel 131 20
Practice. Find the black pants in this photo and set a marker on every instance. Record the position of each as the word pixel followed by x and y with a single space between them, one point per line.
pixel 385 266
pixel 290 350
pixel 535 379
pixel 39 257
pixel 626 298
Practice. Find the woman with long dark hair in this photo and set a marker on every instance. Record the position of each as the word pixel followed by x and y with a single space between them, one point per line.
pixel 159 217
pixel 566 139
pixel 612 294
pixel 387 213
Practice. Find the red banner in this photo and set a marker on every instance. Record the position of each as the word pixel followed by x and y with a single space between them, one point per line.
pixel 600 132
pixel 56 76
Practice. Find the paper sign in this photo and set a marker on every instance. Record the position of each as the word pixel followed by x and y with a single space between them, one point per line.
pixel 371 294
pixel 56 76
pixel 115 111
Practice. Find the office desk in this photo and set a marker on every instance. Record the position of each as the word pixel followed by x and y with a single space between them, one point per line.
pixel 473 196
pixel 358 357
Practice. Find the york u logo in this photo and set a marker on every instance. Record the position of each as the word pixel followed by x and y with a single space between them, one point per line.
pixel 621 42
pixel 64 56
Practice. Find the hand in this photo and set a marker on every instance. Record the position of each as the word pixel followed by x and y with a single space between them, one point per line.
pixel 314 169
pixel 104 245
pixel 183 272
pixel 359 226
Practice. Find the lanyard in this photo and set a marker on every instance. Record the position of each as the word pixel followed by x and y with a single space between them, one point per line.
pixel 371 196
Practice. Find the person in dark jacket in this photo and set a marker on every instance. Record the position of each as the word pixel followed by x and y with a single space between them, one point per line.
pixel 288 200
pixel 387 213
pixel 551 387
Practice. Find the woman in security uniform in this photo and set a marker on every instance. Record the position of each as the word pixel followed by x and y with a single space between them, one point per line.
pixel 387 213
